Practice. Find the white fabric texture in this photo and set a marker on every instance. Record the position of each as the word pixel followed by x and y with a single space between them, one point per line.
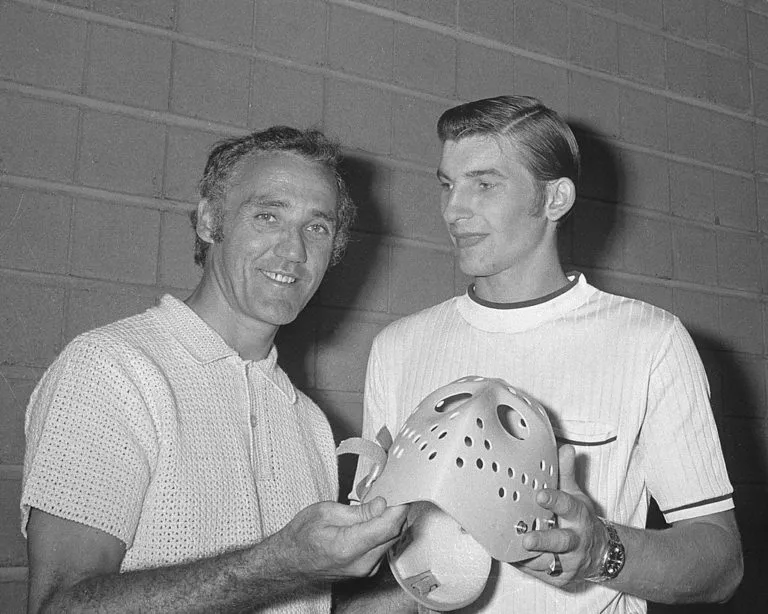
pixel 154 430
pixel 620 379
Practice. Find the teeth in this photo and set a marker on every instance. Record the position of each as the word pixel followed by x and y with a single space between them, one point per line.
pixel 284 279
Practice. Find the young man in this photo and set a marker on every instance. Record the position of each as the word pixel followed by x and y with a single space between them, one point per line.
pixel 171 466
pixel 621 380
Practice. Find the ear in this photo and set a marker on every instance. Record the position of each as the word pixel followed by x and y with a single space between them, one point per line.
pixel 561 194
pixel 206 221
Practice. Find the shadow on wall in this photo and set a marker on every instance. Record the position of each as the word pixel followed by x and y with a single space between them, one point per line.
pixel 344 287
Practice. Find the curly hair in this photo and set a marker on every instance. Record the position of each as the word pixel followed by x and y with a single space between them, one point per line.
pixel 311 145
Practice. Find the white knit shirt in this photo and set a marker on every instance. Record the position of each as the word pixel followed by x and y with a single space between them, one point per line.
pixel 154 430
pixel 621 380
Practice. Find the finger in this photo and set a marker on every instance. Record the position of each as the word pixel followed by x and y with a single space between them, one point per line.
pixel 555 540
pixel 567 467
pixel 370 510
pixel 561 503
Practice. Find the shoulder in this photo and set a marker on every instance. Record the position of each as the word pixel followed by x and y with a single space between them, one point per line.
pixel 417 326
pixel 630 316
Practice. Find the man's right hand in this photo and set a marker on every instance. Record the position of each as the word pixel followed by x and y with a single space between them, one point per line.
pixel 331 541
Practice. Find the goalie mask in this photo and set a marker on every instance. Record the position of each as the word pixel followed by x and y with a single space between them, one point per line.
pixel 471 459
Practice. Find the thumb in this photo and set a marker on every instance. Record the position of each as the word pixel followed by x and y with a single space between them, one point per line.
pixel 372 509
pixel 567 466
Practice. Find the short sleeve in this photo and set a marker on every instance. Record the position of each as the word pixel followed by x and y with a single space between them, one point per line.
pixel 680 447
pixel 89 443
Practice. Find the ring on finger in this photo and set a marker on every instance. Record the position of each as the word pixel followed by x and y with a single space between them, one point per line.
pixel 555 567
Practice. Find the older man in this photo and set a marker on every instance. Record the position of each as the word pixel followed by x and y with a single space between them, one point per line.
pixel 171 465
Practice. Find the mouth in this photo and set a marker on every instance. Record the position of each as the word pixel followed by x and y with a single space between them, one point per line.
pixel 464 240
pixel 280 278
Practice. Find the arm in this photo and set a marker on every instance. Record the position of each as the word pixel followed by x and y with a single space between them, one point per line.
pixel 75 568
pixel 694 561
pixel 379 594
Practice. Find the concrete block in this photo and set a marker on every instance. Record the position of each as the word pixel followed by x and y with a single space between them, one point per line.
pixel 129 67
pixel 115 242
pixel 293 29
pixel 37 139
pixel 439 11
pixel 489 18
pixel 738 261
pixel 647 246
pixel 700 313
pixel 361 43
pixel 762 206
pixel 177 247
pixel 600 172
pixel 90 308
pixel 758 37
pixel 686 18
pixel 606 5
pixel 160 13
pixel 744 387
pixel 358 115
pixel 425 60
pixel 295 344
pixel 13 547
pixel 746 455
pixel 418 278
pixel 415 207
pixel 368 183
pixel 727 26
pixel 594 104
pixel 281 95
pixel 643 118
pixel 482 72
pixel 735 201
pixel 764 264
pixel 751 507
pixel 384 4
pixel 728 82
pixel 35 230
pixel 414 130
pixel 210 85
pixel 731 139
pixel 185 161
pixel 695 254
pixel 741 324
pixel 207 20
pixel 14 396
pixel 41 47
pixel 121 154
pixel 645 181
pixel 542 26
pixel 686 69
pixel 13 595
pixel 593 41
pixel 597 236
pixel 761 148
pixel 691 192
pixel 342 353
pixel 360 280
pixel 641 56
pixel 648 11
pixel 544 81
pixel 760 89
pixel 688 131
pixel 31 321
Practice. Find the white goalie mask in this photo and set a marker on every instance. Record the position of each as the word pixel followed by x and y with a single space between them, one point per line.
pixel 470 460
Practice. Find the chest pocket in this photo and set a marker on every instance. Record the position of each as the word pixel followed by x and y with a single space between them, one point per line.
pixel 594 442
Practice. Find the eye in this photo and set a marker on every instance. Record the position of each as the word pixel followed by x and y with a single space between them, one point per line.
pixel 265 217
pixel 319 228
pixel 485 185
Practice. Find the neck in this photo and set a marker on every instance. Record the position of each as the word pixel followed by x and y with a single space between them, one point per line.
pixel 252 340
pixel 522 283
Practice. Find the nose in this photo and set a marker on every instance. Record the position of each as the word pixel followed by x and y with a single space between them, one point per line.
pixel 291 246
pixel 454 205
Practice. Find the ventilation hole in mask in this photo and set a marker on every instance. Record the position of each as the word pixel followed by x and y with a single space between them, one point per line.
pixel 451 402
pixel 510 472
pixel 442 435
pixel 479 463
pixel 494 466
pixel 535 483
pixel 434 427
pixel 524 478
pixel 398 453
pixel 422 446
pixel 416 438
pixel 515 496
pixel 432 456
pixel 552 471
pixel 502 493
pixel 536 524
pixel 487 444
pixel 479 423
pixel 468 441
pixel 459 462
pixel 542 465
pixel 512 422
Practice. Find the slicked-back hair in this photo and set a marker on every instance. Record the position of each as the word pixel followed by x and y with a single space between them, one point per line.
pixel 546 144
pixel 310 145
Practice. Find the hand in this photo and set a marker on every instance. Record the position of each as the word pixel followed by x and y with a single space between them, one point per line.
pixel 580 538
pixel 330 541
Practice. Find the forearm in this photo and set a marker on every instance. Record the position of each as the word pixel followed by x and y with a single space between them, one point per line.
pixel 380 594
pixel 231 582
pixel 696 562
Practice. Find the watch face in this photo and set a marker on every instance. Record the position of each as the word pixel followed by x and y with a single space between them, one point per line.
pixel 613 560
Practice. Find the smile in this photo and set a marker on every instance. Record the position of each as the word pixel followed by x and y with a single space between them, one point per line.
pixel 468 240
pixel 279 277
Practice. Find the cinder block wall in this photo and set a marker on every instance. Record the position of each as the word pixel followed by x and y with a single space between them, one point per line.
pixel 107 109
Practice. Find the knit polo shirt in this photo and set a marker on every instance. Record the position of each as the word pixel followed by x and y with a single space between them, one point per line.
pixel 154 430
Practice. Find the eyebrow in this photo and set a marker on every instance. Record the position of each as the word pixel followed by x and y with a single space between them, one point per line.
pixel 481 172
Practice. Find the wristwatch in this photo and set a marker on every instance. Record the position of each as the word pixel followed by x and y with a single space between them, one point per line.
pixel 614 557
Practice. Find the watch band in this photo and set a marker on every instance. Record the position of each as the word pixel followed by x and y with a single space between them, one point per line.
pixel 614 557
